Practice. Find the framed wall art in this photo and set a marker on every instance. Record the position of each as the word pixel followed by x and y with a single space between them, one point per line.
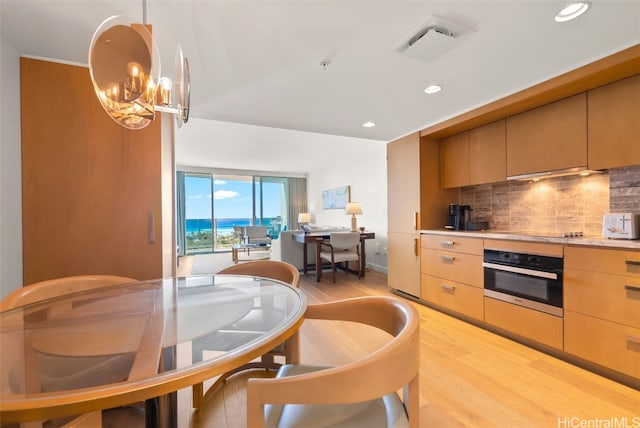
pixel 337 198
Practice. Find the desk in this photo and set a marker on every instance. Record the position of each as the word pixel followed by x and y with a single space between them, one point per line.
pixel 307 238
pixel 157 323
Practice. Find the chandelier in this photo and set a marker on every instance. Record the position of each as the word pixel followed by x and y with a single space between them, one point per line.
pixel 124 63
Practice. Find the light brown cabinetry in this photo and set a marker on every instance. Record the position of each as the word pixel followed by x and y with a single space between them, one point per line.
pixel 614 124
pixel 488 153
pixel 454 160
pixel 476 156
pixel 403 201
pixel 602 307
pixel 547 138
pixel 451 273
pixel 415 201
pixel 92 191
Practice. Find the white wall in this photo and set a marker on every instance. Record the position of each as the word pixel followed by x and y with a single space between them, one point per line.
pixel 362 165
pixel 10 172
pixel 328 161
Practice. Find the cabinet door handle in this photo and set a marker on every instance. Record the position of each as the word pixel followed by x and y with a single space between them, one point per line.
pixel 632 288
pixel 632 262
pixel 416 220
pixel 152 233
pixel 416 245
pixel 447 287
pixel 447 259
pixel 633 339
pixel 448 244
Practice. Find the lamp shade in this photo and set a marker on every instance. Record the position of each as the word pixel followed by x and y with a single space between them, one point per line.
pixel 353 208
pixel 304 218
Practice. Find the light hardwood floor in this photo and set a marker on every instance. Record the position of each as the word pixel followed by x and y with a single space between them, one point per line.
pixel 468 376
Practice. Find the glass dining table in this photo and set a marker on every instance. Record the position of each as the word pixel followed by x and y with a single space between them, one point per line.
pixel 140 341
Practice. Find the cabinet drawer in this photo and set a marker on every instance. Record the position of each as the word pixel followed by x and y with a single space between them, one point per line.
pixel 606 343
pixel 618 262
pixel 453 243
pixel 611 297
pixel 452 295
pixel 541 248
pixel 459 267
pixel 543 328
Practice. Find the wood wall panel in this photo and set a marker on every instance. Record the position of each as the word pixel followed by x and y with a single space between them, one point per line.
pixel 89 184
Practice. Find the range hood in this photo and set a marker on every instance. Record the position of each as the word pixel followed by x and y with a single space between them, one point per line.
pixel 581 170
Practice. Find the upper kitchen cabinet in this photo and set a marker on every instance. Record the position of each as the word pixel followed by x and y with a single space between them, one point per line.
pixel 454 160
pixel 488 153
pixel 548 138
pixel 614 124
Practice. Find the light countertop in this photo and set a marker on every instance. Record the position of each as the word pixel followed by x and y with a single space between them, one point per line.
pixel 595 241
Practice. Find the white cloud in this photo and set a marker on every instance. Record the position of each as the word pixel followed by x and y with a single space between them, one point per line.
pixel 225 194
pixel 218 181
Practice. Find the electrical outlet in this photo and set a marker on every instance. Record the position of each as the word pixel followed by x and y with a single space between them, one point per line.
pixel 385 250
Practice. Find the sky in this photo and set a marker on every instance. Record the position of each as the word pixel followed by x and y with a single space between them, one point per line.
pixel 232 198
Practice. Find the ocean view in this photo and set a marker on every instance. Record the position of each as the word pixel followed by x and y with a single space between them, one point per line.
pixel 224 226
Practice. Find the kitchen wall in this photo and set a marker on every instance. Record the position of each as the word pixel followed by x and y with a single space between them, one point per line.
pixel 555 205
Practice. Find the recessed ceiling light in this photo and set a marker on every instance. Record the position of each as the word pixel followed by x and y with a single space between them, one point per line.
pixel 369 124
pixel 432 89
pixel 572 11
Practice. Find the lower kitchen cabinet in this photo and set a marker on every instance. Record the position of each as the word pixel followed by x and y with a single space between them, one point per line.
pixel 451 274
pixel 613 345
pixel 534 325
pixel 461 298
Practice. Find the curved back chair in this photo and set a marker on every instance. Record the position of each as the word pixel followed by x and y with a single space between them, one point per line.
pixel 342 247
pixel 354 394
pixel 84 368
pixel 282 271
pixel 272 269
pixel 57 287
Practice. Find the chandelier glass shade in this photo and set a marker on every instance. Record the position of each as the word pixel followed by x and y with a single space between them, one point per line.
pixel 124 64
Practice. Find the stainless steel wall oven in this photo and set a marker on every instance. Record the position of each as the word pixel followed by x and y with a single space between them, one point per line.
pixel 529 280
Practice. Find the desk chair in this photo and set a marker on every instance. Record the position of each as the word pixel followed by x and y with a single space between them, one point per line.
pixel 342 247
pixel 53 377
pixel 272 269
pixel 360 394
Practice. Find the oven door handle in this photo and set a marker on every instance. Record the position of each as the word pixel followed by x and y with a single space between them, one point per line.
pixel 513 269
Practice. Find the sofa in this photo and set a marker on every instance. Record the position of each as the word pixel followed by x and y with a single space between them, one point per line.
pixel 287 250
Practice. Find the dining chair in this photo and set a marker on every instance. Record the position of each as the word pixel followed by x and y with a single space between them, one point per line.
pixel 361 393
pixel 342 247
pixel 272 269
pixel 58 287
pixel 54 377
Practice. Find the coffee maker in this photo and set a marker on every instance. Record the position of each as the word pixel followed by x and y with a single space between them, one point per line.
pixel 459 216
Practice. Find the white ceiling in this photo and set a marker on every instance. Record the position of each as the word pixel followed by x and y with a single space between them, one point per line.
pixel 258 62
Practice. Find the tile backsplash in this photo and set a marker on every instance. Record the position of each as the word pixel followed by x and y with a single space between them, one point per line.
pixel 555 205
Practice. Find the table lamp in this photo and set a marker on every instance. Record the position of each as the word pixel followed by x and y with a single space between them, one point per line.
pixel 303 220
pixel 354 209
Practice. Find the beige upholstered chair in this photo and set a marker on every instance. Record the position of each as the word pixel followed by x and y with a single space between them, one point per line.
pixel 342 247
pixel 362 393
pixel 256 235
pixel 272 269
pixel 52 378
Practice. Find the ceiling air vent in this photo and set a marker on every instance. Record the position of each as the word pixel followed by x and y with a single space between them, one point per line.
pixel 432 39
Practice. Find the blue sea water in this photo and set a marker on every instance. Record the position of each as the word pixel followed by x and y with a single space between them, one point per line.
pixel 224 226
